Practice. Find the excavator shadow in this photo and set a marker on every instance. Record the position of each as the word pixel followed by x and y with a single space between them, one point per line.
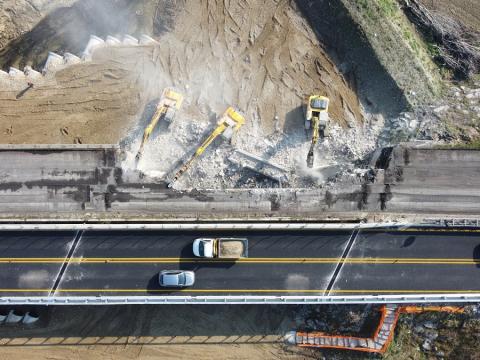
pixel 137 132
pixel 476 255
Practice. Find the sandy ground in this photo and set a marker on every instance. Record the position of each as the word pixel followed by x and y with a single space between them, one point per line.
pixel 153 332
pixel 130 352
pixel 87 103
pixel 169 351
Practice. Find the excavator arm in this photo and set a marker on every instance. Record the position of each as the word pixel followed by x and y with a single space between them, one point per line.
pixel 149 129
pixel 230 122
pixel 166 108
pixel 315 136
pixel 217 132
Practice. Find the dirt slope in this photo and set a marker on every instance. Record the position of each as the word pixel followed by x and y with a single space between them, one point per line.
pixel 259 55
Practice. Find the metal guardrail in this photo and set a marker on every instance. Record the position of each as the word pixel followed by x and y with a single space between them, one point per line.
pixel 59 147
pixel 469 223
pixel 125 300
pixel 206 226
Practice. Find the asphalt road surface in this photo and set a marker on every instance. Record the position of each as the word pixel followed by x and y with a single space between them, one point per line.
pixel 373 262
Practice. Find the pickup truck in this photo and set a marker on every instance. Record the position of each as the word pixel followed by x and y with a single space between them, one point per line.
pixel 221 248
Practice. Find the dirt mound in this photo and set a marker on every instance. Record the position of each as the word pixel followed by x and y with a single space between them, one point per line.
pixel 261 56
pixel 86 103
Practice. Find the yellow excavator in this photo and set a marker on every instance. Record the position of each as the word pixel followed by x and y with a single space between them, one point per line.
pixel 228 124
pixel 167 106
pixel 316 118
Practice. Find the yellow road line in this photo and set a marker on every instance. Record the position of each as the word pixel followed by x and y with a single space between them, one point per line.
pixel 248 291
pixel 368 260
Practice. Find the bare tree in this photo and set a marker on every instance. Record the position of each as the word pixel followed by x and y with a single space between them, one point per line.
pixel 458 47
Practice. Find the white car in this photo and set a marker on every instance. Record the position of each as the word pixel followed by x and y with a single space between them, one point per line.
pixel 176 278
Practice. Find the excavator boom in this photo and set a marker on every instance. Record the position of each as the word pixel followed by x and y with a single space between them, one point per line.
pixel 229 123
pixel 169 103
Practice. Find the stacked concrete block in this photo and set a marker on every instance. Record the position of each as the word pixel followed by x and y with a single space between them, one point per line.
pixel 71 59
pixel 53 63
pixel 15 73
pixel 147 40
pixel 129 40
pixel 93 43
pixel 112 41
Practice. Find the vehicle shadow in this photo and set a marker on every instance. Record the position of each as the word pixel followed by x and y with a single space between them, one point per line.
pixel 137 131
pixel 154 288
pixel 476 255
pixel 193 263
pixel 408 241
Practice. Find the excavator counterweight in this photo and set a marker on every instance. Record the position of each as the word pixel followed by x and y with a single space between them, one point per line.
pixel 168 105
pixel 227 126
pixel 316 118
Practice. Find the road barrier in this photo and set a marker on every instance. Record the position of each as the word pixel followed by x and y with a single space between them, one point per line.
pixel 208 226
pixel 295 300
pixel 16 317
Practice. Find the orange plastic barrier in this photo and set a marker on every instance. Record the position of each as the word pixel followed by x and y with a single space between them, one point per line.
pixel 421 309
pixel 382 337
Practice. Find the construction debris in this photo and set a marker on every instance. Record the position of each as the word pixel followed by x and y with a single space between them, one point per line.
pixel 259 165
pixel 227 126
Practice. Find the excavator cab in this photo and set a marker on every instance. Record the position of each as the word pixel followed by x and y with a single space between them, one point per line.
pixel 317 108
pixel 232 119
pixel 172 100
pixel 316 118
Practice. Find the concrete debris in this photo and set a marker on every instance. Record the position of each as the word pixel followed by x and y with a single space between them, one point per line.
pixel 441 109
pixel 429 325
pixel 431 335
pixel 450 120
pixel 427 345
pixel 259 165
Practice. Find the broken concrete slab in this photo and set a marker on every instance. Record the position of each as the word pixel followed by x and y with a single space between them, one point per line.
pixel 259 165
